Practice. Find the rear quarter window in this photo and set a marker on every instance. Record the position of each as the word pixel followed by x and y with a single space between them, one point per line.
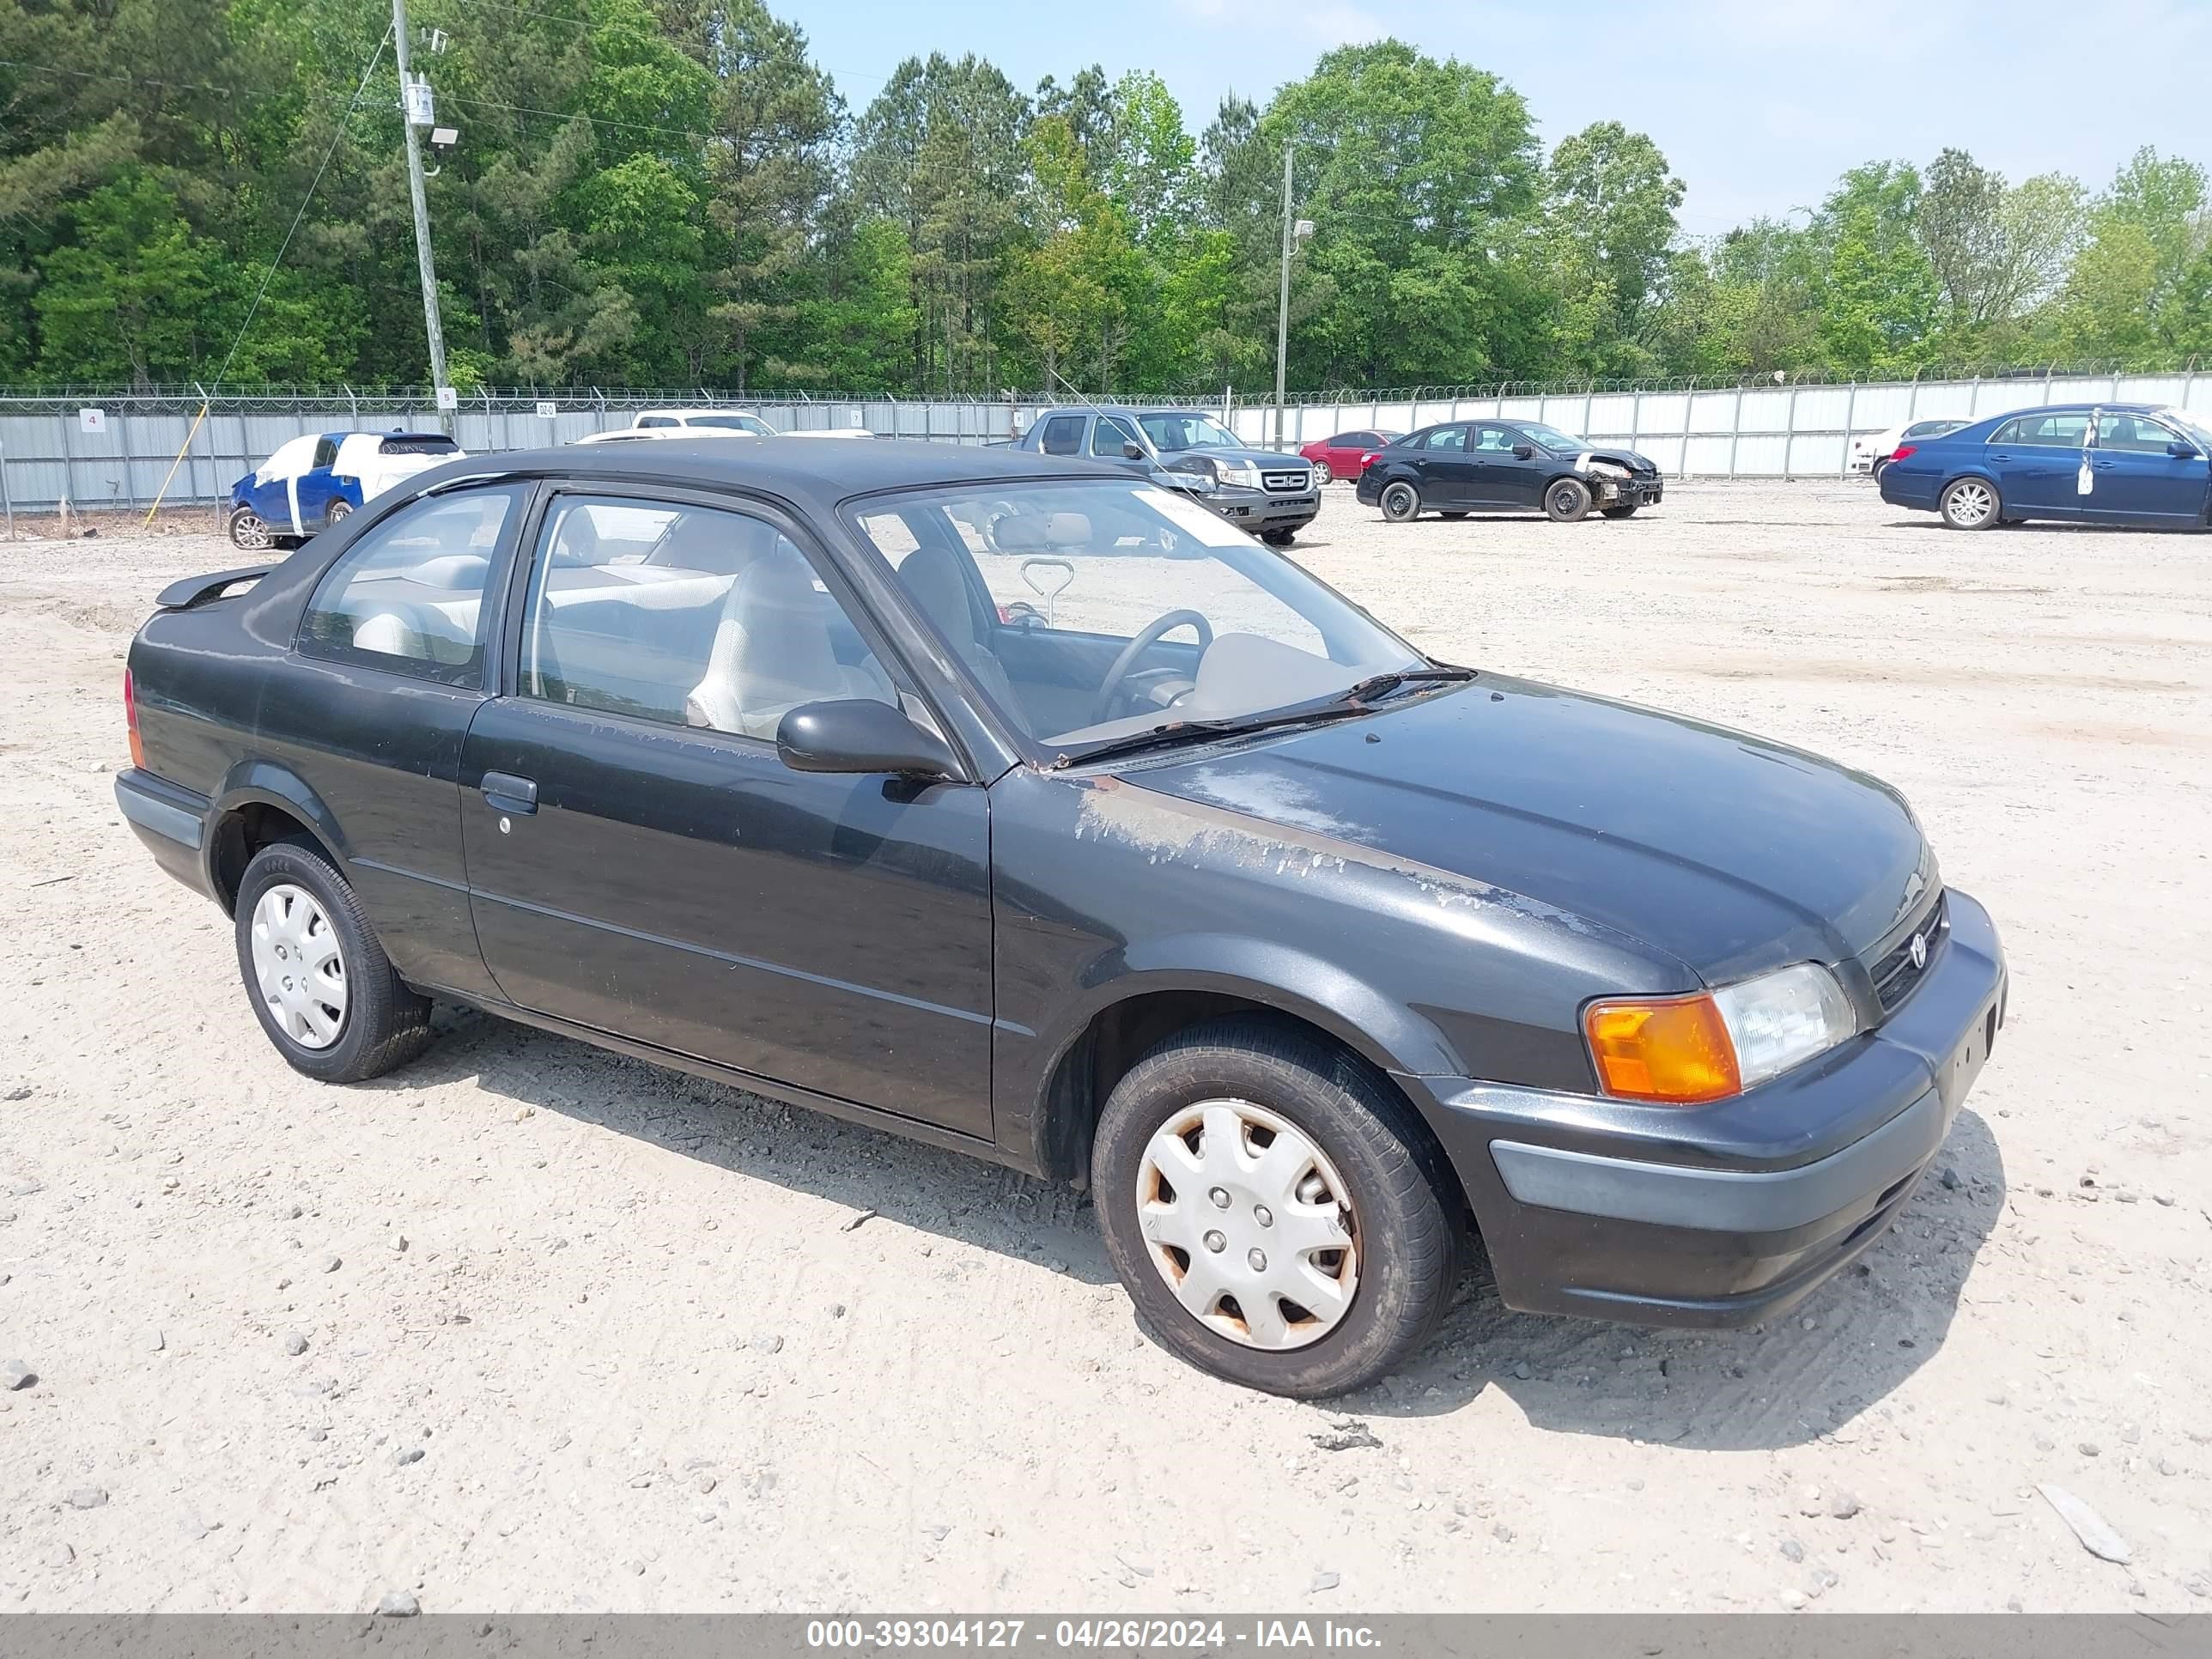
pixel 408 597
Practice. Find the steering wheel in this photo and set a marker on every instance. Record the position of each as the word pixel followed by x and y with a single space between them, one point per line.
pixel 1153 633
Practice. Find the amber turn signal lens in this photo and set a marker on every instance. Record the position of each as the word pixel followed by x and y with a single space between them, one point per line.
pixel 130 721
pixel 1675 1050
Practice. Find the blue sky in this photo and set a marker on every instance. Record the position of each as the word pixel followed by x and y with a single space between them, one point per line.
pixel 1757 105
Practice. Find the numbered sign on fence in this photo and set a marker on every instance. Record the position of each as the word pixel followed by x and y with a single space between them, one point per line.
pixel 93 420
pixel 448 397
pixel 547 411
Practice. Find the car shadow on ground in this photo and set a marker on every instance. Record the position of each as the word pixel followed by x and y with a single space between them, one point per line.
pixel 947 1194
pixel 1812 1374
pixel 1781 1384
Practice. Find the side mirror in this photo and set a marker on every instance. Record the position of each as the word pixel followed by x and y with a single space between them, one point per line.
pixel 1132 451
pixel 860 734
pixel 2182 450
pixel 1524 451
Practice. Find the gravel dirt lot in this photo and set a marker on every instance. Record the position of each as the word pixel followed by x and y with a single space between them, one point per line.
pixel 577 1333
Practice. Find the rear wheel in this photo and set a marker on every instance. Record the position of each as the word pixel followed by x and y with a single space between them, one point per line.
pixel 339 512
pixel 1567 501
pixel 1402 503
pixel 1970 504
pixel 1269 1206
pixel 250 531
pixel 1321 474
pixel 318 979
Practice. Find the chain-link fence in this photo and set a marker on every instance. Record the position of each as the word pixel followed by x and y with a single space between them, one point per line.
pixel 103 448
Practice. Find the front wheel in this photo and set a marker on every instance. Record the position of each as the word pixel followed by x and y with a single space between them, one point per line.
pixel 1271 1210
pixel 337 513
pixel 1970 504
pixel 1279 537
pixel 1402 503
pixel 1625 510
pixel 250 531
pixel 1567 501
pixel 318 979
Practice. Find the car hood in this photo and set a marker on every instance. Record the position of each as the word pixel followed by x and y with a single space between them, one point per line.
pixel 1628 457
pixel 1731 854
pixel 1262 457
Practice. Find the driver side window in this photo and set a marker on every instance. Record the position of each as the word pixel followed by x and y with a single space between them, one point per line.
pixel 1450 439
pixel 1107 437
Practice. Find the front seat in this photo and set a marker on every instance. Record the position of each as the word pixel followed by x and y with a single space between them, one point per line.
pixel 934 577
pixel 773 652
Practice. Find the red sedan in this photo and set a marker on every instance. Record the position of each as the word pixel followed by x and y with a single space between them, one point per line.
pixel 1340 457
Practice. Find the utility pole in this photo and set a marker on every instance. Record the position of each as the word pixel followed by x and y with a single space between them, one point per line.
pixel 1283 305
pixel 423 263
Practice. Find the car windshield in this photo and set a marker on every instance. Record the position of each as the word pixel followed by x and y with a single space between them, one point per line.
pixel 1094 613
pixel 752 423
pixel 1552 438
pixel 2199 434
pixel 1172 432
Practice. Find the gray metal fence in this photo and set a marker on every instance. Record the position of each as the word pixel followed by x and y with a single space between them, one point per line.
pixel 52 450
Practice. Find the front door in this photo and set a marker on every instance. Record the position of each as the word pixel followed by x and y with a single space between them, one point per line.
pixel 2137 472
pixel 1502 477
pixel 640 861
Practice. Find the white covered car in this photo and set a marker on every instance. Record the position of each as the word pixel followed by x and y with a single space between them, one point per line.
pixel 312 482
pixel 1871 451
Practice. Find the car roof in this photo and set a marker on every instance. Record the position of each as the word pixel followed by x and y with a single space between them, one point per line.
pixel 814 475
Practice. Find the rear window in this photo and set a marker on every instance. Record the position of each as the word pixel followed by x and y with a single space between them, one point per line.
pixel 418 443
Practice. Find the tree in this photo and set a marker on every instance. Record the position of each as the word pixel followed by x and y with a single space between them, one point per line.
pixel 1996 251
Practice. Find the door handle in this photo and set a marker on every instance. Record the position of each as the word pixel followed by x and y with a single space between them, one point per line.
pixel 2104 467
pixel 506 793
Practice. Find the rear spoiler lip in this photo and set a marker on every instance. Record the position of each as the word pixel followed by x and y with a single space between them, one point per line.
pixel 198 590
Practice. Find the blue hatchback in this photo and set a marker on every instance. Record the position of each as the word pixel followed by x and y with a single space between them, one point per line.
pixel 2133 464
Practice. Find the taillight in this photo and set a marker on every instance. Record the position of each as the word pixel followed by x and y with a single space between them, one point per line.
pixel 1900 452
pixel 130 721
pixel 1366 460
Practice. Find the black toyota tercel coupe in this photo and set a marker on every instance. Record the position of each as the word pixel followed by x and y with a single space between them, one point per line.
pixel 1026 808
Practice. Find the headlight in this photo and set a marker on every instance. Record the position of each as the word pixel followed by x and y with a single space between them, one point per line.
pixel 1198 483
pixel 1687 1050
pixel 1238 472
pixel 1610 469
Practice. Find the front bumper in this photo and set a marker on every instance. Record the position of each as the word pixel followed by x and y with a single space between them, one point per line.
pixel 1733 1212
pixel 1258 511
pixel 1607 491
pixel 171 822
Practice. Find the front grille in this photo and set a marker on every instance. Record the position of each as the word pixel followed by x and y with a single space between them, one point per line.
pixel 1895 973
pixel 1286 483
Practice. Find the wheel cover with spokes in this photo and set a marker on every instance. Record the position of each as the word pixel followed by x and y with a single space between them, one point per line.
pixel 298 968
pixel 1972 502
pixel 1321 474
pixel 250 529
pixel 1249 1225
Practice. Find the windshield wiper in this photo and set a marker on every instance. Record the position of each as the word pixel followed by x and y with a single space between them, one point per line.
pixel 1347 704
pixel 1382 686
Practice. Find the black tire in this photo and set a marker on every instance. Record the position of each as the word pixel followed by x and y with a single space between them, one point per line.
pixel 1407 1238
pixel 1566 501
pixel 1879 467
pixel 1279 537
pixel 383 1022
pixel 1402 503
pixel 1455 513
pixel 337 513
pixel 250 532
pixel 1971 503
pixel 1626 510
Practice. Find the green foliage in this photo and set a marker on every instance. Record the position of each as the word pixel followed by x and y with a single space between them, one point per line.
pixel 673 193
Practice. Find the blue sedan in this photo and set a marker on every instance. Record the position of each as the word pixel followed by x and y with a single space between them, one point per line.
pixel 312 482
pixel 2131 464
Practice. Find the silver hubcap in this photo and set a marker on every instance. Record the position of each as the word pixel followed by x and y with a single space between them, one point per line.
pixel 1248 1224
pixel 298 967
pixel 1971 503
pixel 250 532
pixel 1320 472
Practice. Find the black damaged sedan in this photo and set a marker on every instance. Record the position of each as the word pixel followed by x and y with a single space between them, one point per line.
pixel 1464 466
pixel 1025 808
